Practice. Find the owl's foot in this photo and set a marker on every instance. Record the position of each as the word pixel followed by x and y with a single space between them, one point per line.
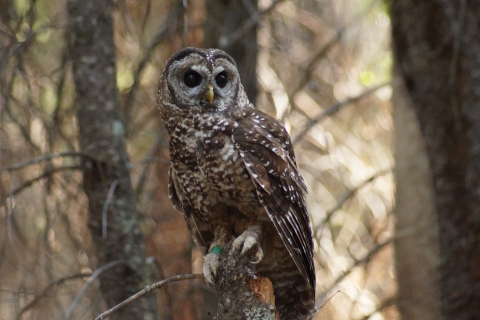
pixel 249 242
pixel 210 267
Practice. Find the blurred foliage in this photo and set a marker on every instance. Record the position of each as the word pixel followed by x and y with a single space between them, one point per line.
pixel 317 61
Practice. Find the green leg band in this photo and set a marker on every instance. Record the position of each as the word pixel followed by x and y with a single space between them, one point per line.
pixel 217 250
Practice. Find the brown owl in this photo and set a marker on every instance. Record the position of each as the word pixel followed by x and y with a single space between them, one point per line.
pixel 234 176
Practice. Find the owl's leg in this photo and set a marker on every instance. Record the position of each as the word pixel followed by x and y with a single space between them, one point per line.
pixel 249 241
pixel 210 261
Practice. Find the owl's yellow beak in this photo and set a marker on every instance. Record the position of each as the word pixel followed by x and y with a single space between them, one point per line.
pixel 209 94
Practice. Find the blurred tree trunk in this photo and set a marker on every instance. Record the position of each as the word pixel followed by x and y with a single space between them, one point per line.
pixel 416 241
pixel 437 47
pixel 113 218
pixel 224 18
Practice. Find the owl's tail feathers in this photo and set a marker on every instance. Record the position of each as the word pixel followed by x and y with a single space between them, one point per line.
pixel 294 297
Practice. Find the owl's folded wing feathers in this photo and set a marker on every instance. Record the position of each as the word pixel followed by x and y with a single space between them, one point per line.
pixel 266 149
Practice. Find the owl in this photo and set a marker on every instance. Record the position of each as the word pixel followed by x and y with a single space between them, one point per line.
pixel 234 176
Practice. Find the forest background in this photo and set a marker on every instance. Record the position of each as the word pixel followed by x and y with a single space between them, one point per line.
pixel 86 219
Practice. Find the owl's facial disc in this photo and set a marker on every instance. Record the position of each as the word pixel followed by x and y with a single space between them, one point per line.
pixel 197 81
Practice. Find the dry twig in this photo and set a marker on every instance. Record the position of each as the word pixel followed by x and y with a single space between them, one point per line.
pixel 45 292
pixel 148 289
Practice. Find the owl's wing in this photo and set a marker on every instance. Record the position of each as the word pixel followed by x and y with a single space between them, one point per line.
pixel 172 192
pixel 266 149
pixel 199 230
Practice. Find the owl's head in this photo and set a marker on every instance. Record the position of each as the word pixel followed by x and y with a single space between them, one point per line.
pixel 196 80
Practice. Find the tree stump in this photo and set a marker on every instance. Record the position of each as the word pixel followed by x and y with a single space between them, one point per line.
pixel 242 294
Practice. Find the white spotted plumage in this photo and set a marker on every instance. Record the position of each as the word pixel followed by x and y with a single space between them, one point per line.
pixel 233 173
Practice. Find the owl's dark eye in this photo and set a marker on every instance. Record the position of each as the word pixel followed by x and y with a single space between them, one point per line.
pixel 221 79
pixel 192 79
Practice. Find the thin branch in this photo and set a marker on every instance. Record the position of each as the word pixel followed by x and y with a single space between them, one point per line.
pixel 90 281
pixel 149 159
pixel 348 195
pixel 9 97
pixel 185 23
pixel 148 289
pixel 10 223
pixel 61 89
pixel 310 67
pixel 328 300
pixel 47 291
pixel 385 303
pixel 366 258
pixel 110 194
pixel 147 14
pixel 45 158
pixel 14 48
pixel 46 174
pixel 159 36
pixel 226 42
pixel 335 108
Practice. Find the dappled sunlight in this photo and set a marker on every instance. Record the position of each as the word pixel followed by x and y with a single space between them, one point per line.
pixel 345 157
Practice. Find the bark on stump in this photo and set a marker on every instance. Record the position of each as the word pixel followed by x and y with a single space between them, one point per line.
pixel 242 294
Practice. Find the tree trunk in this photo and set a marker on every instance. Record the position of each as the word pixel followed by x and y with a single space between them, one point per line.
pixel 113 219
pixel 224 18
pixel 437 47
pixel 416 241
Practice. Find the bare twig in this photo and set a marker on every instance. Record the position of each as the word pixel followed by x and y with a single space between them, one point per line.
pixel 147 14
pixel 48 289
pixel 335 108
pixel 226 42
pixel 185 23
pixel 10 222
pixel 385 303
pixel 348 195
pixel 148 289
pixel 322 53
pixel 159 36
pixel 366 258
pixel 149 159
pixel 110 194
pixel 46 174
pixel 15 47
pixel 333 295
pixel 93 277
pixel 316 309
pixel 45 158
pixel 310 67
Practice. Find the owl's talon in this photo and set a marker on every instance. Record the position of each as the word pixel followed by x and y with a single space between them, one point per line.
pixel 247 242
pixel 210 267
